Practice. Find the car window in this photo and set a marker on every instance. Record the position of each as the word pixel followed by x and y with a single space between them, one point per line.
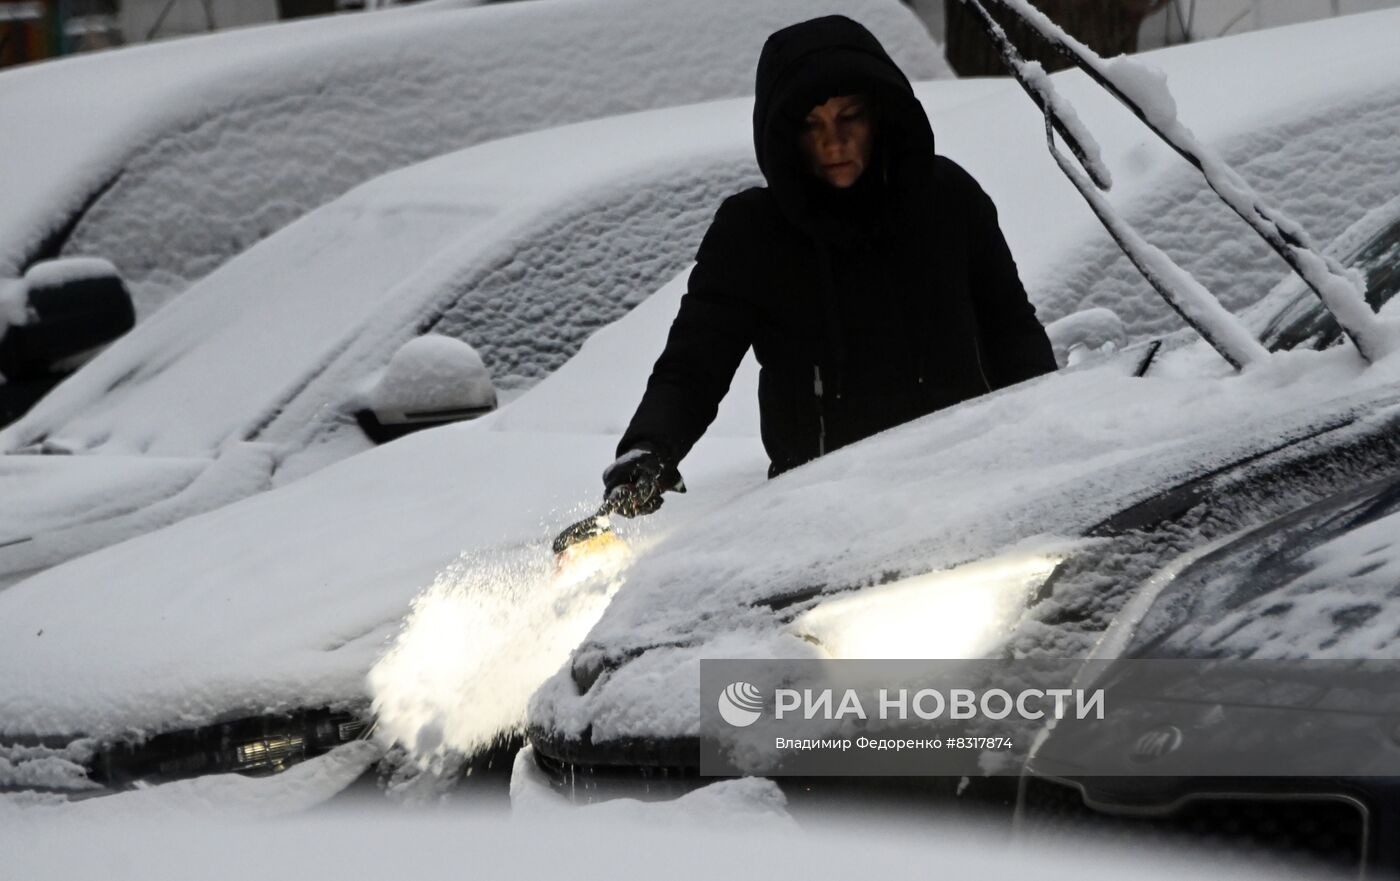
pixel 1300 320
pixel 527 314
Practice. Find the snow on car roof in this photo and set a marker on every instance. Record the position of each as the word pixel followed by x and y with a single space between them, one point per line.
pixel 522 247
pixel 286 599
pixel 200 147
pixel 347 284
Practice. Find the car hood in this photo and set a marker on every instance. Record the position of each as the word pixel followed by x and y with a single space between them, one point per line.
pixel 1018 474
pixel 62 506
pixel 1313 584
pixel 44 493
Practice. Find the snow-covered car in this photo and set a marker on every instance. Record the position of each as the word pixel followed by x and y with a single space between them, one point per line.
pixel 170 158
pixel 453 525
pixel 297 352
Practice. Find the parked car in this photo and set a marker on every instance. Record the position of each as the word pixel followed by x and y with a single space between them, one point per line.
pixel 311 346
pixel 169 159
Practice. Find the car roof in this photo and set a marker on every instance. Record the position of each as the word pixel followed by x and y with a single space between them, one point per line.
pixel 172 157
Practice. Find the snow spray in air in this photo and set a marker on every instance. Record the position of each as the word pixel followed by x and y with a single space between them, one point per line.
pixel 478 642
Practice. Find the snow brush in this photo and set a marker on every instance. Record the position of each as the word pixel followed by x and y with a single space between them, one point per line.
pixel 589 528
pixel 592 538
pixel 587 547
pixel 642 496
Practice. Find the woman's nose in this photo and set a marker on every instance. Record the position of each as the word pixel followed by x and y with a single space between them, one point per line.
pixel 830 137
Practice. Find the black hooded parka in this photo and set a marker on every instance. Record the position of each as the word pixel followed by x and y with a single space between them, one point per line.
pixel 865 307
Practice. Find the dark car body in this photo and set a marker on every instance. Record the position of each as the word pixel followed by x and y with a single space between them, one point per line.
pixel 1267 613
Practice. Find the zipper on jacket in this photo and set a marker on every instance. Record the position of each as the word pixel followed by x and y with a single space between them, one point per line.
pixel 821 409
pixel 977 354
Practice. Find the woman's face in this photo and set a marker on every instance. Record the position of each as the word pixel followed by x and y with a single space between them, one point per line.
pixel 836 139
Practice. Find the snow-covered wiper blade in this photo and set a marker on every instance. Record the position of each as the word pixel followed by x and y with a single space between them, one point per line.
pixel 1142 91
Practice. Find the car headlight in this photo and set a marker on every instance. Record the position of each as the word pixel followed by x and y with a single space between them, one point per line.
pixel 964 612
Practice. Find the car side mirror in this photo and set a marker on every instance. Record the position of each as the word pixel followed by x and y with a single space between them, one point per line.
pixel 59 315
pixel 431 380
pixel 1086 333
pixel 53 320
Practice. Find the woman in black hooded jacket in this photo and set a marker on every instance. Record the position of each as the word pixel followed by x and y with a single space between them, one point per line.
pixel 870 275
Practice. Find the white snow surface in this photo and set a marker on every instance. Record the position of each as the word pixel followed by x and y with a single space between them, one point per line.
pixel 230 797
pixel 433 373
pixel 1088 330
pixel 729 829
pixel 287 599
pixel 192 150
pixel 53 273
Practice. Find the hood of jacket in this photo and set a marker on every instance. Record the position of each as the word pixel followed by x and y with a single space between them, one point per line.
pixel 806 64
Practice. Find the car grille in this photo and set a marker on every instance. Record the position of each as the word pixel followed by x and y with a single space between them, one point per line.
pixel 1296 829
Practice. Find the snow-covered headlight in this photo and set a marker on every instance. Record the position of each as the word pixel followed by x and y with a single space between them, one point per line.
pixel 965 612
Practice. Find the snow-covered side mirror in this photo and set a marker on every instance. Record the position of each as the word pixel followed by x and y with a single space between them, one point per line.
pixel 431 380
pixel 1088 332
pixel 59 314
pixel 54 320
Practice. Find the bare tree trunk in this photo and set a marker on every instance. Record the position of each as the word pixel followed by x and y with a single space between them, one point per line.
pixel 1109 27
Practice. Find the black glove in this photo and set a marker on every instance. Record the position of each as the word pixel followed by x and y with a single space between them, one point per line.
pixel 634 483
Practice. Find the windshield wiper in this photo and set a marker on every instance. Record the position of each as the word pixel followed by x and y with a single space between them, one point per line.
pixel 1327 278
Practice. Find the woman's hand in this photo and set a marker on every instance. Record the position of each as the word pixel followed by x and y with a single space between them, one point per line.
pixel 634 483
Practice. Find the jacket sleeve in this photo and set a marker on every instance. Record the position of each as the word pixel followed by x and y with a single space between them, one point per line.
pixel 1014 345
pixel 708 338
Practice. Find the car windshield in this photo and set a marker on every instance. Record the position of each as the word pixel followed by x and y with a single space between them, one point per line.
pixel 1291 316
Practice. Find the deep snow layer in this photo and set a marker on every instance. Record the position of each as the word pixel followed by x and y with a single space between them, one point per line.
pixel 192 150
pixel 729 829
